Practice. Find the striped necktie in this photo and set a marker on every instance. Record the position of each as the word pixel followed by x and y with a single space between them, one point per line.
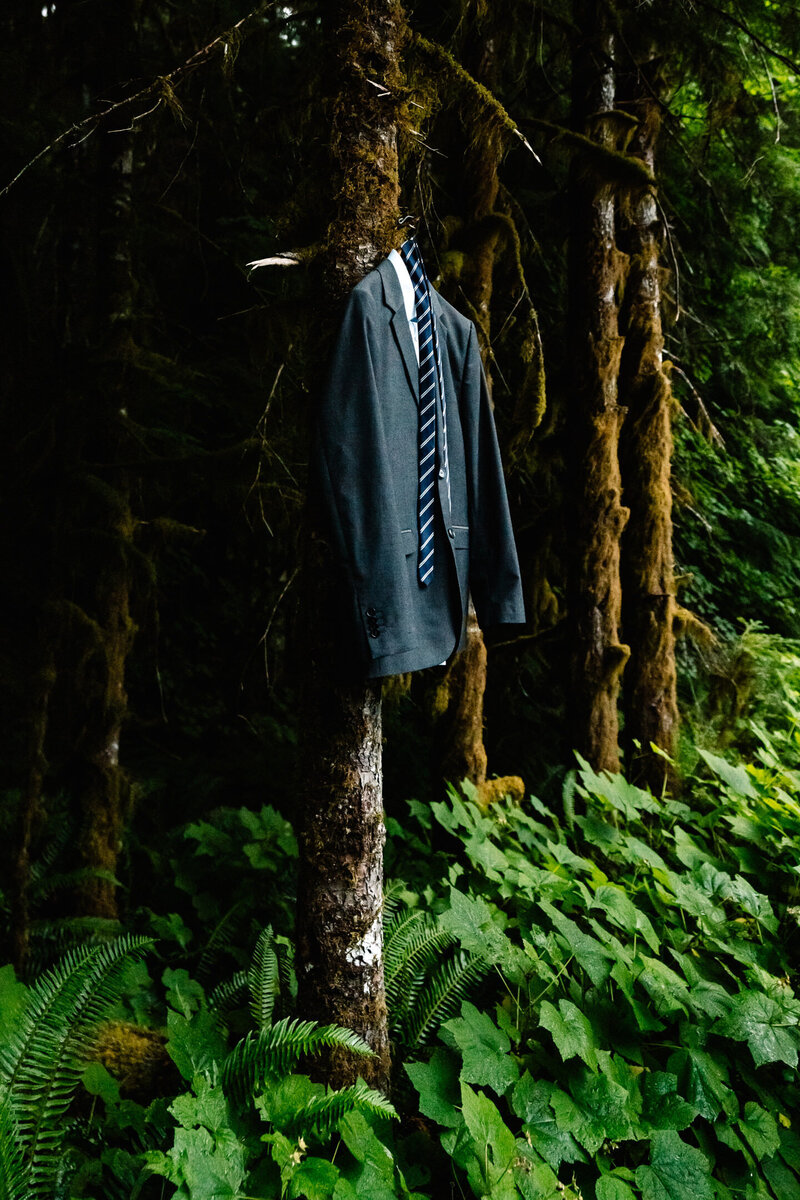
pixel 430 380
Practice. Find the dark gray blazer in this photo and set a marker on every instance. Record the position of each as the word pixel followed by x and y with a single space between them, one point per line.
pixel 366 465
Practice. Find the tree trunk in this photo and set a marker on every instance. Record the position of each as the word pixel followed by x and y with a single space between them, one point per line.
pixel 103 587
pixel 595 418
pixel 339 920
pixel 458 700
pixel 648 571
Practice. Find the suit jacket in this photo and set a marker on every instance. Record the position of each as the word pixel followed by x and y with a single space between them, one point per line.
pixel 365 461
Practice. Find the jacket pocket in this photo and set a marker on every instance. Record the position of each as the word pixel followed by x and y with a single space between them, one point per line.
pixel 460 536
pixel 409 539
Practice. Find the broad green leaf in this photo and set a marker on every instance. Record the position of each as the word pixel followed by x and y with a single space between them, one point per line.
pixel 762 1022
pixel 571 1031
pixel 701 1080
pixel 531 1102
pixel 621 910
pixel 615 790
pixel 196 1046
pixel 611 1187
pixel 639 852
pixel 676 1170
pixel 533 1178
pixel 471 922
pixel 212 1168
pixel 485 1125
pixel 373 1175
pixel 599 1108
pixel 761 1130
pixel 666 988
pixel 437 1084
pixel 492 1145
pixel 205 1106
pixel 592 955
pixel 736 778
pixel 283 1099
pixel 485 1049
pixel 314 1179
pixel 172 928
pixel 99 1082
pixel 784 1182
pixel 663 1108
pixel 184 994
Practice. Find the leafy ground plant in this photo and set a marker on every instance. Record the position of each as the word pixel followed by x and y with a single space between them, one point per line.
pixel 643 1040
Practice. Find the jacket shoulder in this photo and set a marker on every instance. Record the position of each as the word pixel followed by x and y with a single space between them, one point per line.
pixel 460 328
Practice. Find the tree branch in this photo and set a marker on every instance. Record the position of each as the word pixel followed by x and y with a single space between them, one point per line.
pixel 161 84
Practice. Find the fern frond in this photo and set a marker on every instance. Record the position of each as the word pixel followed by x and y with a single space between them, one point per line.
pixel 262 979
pixel 288 978
pixel 391 898
pixel 414 945
pixel 228 995
pixel 443 996
pixel 12 1166
pixel 269 1053
pixel 321 1114
pixel 217 939
pixel 48 1047
pixel 60 830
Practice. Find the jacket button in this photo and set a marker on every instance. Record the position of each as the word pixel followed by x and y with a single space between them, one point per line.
pixel 373 633
pixel 442 472
pixel 450 533
pixel 371 611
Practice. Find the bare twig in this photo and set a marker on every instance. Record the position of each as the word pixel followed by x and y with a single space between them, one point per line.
pixel 161 83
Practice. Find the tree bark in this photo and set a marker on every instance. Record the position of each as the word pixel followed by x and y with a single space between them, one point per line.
pixel 595 417
pixel 648 569
pixel 339 919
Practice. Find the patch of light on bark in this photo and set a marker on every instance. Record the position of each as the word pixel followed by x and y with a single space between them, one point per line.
pixel 367 952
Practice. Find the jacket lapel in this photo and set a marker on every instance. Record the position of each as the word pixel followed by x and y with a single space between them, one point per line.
pixel 393 297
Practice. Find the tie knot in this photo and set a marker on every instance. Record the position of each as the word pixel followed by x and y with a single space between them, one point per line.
pixel 411 256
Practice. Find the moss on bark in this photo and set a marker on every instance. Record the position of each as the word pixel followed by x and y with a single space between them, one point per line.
pixel 595 417
pixel 648 569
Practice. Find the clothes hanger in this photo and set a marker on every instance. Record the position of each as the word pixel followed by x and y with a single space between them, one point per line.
pixel 409 223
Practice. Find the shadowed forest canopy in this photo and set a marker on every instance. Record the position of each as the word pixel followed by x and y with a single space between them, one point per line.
pixel 588 884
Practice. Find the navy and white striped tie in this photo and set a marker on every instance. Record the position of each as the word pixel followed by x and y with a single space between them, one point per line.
pixel 430 380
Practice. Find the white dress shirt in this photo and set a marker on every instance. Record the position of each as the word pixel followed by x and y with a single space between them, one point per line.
pixel 409 299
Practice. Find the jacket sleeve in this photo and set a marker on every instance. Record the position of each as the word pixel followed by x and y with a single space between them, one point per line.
pixel 353 477
pixel 494 574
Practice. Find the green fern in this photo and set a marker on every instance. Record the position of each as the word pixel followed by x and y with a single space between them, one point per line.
pixel 414 944
pixel 217 941
pixel 427 977
pixel 449 986
pixel 321 1114
pixel 49 1046
pixel 12 1166
pixel 263 979
pixel 228 995
pixel 272 1052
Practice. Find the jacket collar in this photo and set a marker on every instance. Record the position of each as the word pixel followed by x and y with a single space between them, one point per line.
pixel 393 298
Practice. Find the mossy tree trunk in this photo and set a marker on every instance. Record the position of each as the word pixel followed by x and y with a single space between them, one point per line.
pixel 103 573
pixel 339 920
pixel 595 416
pixel 458 700
pixel 648 570
pixel 485 237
